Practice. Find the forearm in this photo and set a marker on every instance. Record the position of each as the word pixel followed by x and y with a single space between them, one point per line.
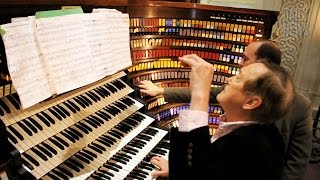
pixel 182 94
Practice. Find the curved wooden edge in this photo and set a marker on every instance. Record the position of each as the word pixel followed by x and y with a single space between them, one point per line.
pixel 202 7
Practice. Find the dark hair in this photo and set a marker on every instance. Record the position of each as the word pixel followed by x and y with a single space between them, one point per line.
pixel 276 90
pixel 269 51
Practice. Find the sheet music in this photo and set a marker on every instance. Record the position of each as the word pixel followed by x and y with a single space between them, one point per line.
pixel 120 40
pixel 48 56
pixel 24 63
pixel 97 32
pixel 66 51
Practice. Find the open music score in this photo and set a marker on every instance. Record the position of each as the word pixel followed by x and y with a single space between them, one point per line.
pixel 67 52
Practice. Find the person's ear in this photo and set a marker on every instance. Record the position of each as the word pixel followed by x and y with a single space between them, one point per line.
pixel 252 102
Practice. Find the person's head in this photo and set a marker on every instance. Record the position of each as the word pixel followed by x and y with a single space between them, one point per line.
pixel 264 49
pixel 262 91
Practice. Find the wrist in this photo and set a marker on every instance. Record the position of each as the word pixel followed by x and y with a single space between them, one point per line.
pixel 199 102
pixel 160 91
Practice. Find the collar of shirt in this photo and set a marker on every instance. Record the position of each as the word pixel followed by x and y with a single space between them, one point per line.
pixel 227 127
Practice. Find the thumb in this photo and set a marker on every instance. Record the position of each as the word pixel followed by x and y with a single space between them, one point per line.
pixel 156 173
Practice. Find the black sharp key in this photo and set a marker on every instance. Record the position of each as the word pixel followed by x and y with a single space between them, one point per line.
pixel 1 112
pixel 117 132
pixel 146 167
pixel 31 159
pixel 102 141
pixel 111 167
pixel 100 175
pixel 62 141
pixel 16 97
pixel 128 151
pixel 12 138
pixel 34 129
pixel 64 110
pixel 109 137
pixel 73 105
pixel 13 102
pixel 59 111
pixel 111 88
pixel 49 148
pixel 46 152
pixel 97 119
pixel 57 143
pixel 132 149
pixel 86 99
pixel 4 106
pixel 76 132
pixel 119 160
pixel 125 155
pixel 70 107
pixel 24 128
pixel 62 175
pixel 91 97
pixel 95 149
pixel 83 101
pixel 91 123
pixel 48 117
pixel 51 175
pixel 106 172
pixel 86 126
pixel 90 153
pixel 135 177
pixel 43 120
pixel 122 158
pixel 72 134
pixel 136 145
pixel 34 122
pixel 82 158
pixel 107 116
pixel 70 165
pixel 99 92
pixel 141 171
pixel 114 134
pixel 134 172
pixel 27 164
pixel 94 95
pixel 79 102
pixel 86 156
pixel 40 154
pixel 108 140
pixel 102 116
pixel 68 137
pixel 115 165
pixel 82 128
pixel 98 146
pixel 55 114
pixel 15 132
pixel 76 163
pixel 65 171
pixel 104 91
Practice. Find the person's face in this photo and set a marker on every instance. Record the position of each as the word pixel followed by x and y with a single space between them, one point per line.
pixel 233 95
pixel 249 55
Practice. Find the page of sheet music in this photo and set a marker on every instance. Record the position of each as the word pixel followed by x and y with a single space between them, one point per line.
pixel 120 40
pixel 97 32
pixel 64 45
pixel 24 62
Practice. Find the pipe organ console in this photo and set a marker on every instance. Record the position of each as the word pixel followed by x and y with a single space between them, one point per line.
pixel 94 131
pixel 99 131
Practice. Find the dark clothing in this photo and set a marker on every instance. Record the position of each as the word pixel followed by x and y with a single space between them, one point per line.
pixel 295 128
pixel 253 152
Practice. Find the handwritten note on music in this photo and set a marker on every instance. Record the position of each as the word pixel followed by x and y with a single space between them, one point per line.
pixel 54 55
pixel 24 62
